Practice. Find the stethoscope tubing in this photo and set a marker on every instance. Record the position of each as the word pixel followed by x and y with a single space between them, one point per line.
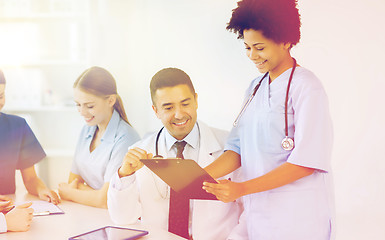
pixel 235 124
pixel 287 97
pixel 156 144
pixel 248 101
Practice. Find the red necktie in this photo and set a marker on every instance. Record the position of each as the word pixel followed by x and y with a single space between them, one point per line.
pixel 178 218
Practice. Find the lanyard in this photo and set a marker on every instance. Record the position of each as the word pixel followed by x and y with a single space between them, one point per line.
pixel 287 143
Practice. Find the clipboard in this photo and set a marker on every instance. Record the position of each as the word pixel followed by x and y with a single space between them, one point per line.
pixel 43 208
pixel 182 175
pixel 111 233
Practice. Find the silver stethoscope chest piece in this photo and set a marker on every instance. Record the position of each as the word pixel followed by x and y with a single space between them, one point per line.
pixel 287 143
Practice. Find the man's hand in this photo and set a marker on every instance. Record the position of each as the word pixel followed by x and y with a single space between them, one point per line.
pixel 131 162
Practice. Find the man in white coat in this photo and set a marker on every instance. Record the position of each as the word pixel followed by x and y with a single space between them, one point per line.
pixel 136 192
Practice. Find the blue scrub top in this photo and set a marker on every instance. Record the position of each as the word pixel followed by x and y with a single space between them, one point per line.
pixel 19 149
pixel 302 209
pixel 98 166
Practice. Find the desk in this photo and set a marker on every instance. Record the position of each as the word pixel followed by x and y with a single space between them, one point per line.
pixel 77 219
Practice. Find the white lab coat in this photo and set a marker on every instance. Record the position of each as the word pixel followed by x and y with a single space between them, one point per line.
pixel 147 196
pixel 3 223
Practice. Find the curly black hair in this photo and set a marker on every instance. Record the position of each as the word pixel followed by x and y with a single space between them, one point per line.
pixel 279 20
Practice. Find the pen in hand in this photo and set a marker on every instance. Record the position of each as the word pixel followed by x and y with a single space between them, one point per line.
pixel 8 209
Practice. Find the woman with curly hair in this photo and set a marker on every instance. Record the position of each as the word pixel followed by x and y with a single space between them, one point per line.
pixel 283 135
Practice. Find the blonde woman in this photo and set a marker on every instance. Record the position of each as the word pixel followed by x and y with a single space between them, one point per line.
pixel 103 142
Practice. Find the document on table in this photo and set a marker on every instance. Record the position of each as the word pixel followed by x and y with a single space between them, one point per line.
pixel 41 208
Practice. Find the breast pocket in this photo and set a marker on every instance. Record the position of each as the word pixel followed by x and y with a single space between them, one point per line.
pixel 271 125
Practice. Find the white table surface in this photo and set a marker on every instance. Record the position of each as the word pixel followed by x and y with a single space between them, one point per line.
pixel 76 220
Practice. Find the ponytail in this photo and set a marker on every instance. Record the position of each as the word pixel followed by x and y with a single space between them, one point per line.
pixel 118 106
pixel 100 82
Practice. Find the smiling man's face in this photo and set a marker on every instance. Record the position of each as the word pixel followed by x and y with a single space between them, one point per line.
pixel 177 108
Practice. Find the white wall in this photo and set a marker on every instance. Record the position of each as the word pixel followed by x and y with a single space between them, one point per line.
pixel 343 44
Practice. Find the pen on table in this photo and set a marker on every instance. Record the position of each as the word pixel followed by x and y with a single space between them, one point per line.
pixel 7 210
pixel 45 213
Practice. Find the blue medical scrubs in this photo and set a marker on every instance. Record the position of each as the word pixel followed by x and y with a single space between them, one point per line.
pixel 98 166
pixel 302 209
pixel 19 149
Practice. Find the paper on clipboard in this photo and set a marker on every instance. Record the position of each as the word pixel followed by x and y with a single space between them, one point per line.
pixel 42 208
pixel 182 175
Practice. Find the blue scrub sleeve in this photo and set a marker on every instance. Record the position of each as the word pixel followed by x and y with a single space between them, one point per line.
pixel 118 152
pixel 313 131
pixel 233 141
pixel 82 135
pixel 31 151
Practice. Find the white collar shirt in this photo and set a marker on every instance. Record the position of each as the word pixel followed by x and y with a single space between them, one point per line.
pixel 191 150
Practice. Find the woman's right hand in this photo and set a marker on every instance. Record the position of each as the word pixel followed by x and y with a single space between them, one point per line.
pixel 66 189
pixel 19 219
pixel 131 162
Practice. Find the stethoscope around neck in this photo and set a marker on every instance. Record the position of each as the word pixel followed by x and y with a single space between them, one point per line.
pixel 156 145
pixel 288 142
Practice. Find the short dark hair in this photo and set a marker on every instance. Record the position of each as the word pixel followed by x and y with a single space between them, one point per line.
pixel 169 77
pixel 279 20
pixel 2 78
